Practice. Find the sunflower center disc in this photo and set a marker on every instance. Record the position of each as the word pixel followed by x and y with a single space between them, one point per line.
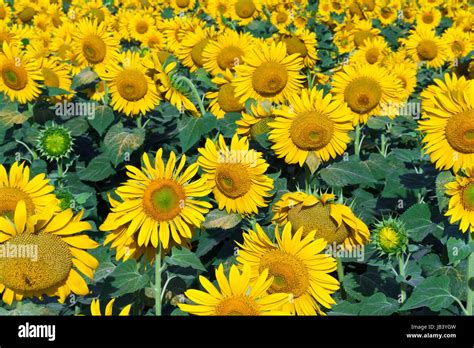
pixel 196 52
pixel 237 306
pixel 51 79
pixel 132 85
pixel 56 143
pixel 372 55
pixel 311 131
pixel 227 100
pixel 468 197
pixel 94 49
pixel 141 27
pixel 232 179
pixel 229 57
pixel 3 13
pixel 289 273
pixel 35 262
pixel 245 8
pixel 269 79
pixel 428 18
pixel 182 3
pixel 427 50
pixel 27 14
pixel 281 17
pixel 460 132
pixel 9 198
pixel 317 218
pixel 363 95
pixel 15 77
pixel 295 45
pixel 388 239
pixel 361 36
pixel 163 199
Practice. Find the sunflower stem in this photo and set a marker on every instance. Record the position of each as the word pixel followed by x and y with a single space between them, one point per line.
pixel 59 165
pixel 139 121
pixel 19 306
pixel 357 141
pixel 158 270
pixel 470 277
pixel 402 273
pixel 340 275
pixel 34 155
pixel 195 92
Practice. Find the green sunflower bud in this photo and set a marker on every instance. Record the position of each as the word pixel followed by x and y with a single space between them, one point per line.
pixel 390 237
pixel 54 142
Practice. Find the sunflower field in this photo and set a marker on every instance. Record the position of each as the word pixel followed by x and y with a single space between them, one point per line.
pixel 236 157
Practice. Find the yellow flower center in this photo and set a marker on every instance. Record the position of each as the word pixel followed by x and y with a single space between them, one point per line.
pixel 372 55
pixel 388 239
pixel 245 8
pixel 363 95
pixel 163 199
pixel 141 27
pixel 468 196
pixel 360 36
pixel 282 17
pixel 228 57
pixel 428 18
pixel 269 79
pixel 460 132
pixel 457 47
pixel 182 3
pixel 94 49
pixel 15 77
pixel 368 5
pixel 9 198
pixel 427 50
pixel 3 12
pixel 29 272
pixel 295 45
pixel 238 305
pixel 51 79
pixel 289 273
pixel 232 179
pixel 227 100
pixel 27 14
pixel 318 218
pixel 132 85
pixel 196 52
pixel 311 130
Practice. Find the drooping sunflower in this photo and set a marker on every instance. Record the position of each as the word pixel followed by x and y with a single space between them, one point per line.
pixel 132 90
pixel 224 100
pixel 16 186
pixel 297 265
pixel 236 175
pixel 448 122
pixel 302 42
pixel 94 45
pixel 256 122
pixel 237 295
pixel 19 75
pixel 314 123
pixel 461 202
pixel 334 222
pixel 226 51
pixel 60 250
pixel 423 45
pixel 160 203
pixel 269 73
pixel 95 308
pixel 366 89
pixel 372 52
pixel 192 47
pixel 245 11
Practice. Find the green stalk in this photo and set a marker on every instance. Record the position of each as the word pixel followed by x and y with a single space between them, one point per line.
pixel 340 275
pixel 195 92
pixel 402 273
pixel 158 271
pixel 357 141
pixel 60 168
pixel 139 121
pixel 470 277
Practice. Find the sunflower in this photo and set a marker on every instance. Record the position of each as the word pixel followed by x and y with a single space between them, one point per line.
pixel 20 75
pixel 5 11
pixel 245 11
pixel 302 42
pixel 387 14
pixel 25 11
pixel 159 202
pixel 314 123
pixel 343 39
pixel 237 295
pixel 447 122
pixel 362 30
pixel 192 47
pixel 269 73
pixel 93 10
pixel 94 45
pixel 182 5
pixel 224 100
pixel 60 250
pixel 424 46
pixel 334 222
pixel 8 35
pixel 235 175
pixel 256 123
pixel 225 52
pixel 140 25
pixel 177 28
pixel 406 74
pixel 366 89
pixel 281 17
pixel 461 202
pixel 219 9
pixel 459 43
pixel 56 74
pixel 428 17
pixel 132 90
pixel 95 308
pixel 297 265
pixel 372 52
pixel 154 40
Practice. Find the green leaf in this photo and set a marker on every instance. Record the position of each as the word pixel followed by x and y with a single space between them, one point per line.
pixel 417 221
pixel 378 304
pixel 77 125
pixel 85 77
pixel 55 91
pixel 433 292
pixel 442 179
pixel 185 258
pixel 103 118
pixel 191 129
pixel 120 141
pixel 221 219
pixel 347 173
pixel 9 116
pixel 98 169
pixel 126 278
pixel 457 250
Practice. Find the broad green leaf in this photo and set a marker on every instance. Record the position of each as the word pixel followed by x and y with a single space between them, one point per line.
pixel 457 250
pixel 347 173
pixel 417 221
pixel 102 119
pixel 433 292
pixel 442 179
pixel 127 279
pixel 191 129
pixel 98 169
pixel 221 219
pixel 378 304
pixel 185 258
pixel 120 141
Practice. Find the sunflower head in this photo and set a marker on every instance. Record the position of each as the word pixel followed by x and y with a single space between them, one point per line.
pixel 390 237
pixel 54 142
